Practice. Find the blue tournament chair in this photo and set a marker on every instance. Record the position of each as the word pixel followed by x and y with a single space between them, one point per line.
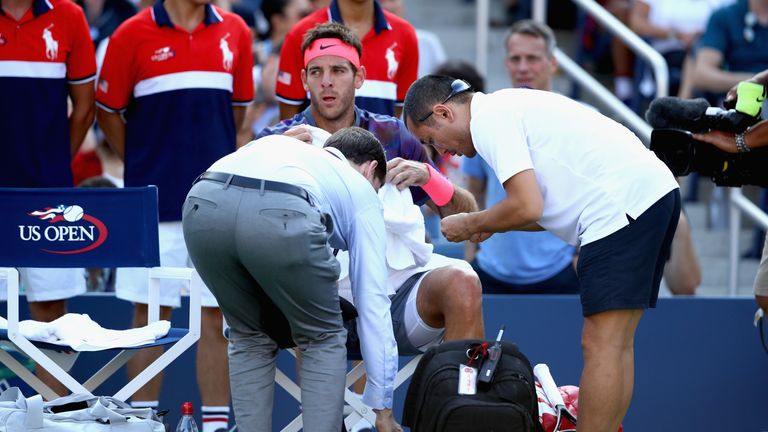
pixel 88 227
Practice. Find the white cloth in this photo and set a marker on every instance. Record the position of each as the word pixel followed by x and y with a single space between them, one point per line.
pixel 319 136
pixel 405 229
pixel 592 172
pixel 81 333
pixel 407 250
pixel 358 226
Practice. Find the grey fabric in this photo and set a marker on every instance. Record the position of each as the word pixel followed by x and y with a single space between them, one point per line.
pixel 261 250
pixel 397 309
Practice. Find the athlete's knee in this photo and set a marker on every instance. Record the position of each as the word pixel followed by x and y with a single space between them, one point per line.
pixel 464 290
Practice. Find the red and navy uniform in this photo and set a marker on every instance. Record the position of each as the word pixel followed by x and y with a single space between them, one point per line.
pixel 176 91
pixel 390 57
pixel 41 54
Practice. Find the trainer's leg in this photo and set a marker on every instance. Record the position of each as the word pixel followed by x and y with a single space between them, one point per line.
pixel 608 376
pixel 150 392
pixel 451 297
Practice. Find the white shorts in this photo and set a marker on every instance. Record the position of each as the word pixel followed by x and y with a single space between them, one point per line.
pixel 419 333
pixel 132 284
pixel 47 284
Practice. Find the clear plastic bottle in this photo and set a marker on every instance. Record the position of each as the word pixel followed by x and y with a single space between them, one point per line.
pixel 187 422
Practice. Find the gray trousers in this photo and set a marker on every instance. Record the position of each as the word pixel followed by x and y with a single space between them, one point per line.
pixel 248 246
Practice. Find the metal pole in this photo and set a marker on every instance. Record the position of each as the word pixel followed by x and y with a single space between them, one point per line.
pixel 733 253
pixel 540 11
pixel 481 47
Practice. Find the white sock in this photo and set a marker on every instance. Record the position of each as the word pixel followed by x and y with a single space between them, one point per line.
pixel 215 417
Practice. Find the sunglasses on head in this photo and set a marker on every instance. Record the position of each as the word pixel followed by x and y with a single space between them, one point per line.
pixel 457 86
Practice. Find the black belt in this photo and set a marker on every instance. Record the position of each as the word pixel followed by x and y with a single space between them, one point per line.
pixel 254 183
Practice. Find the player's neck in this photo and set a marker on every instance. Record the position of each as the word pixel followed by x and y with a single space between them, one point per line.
pixel 333 125
pixel 16 8
pixel 357 15
pixel 185 14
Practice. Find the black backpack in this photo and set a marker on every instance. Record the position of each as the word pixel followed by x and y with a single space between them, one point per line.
pixel 507 404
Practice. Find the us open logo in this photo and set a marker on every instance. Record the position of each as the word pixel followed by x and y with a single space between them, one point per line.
pixel 68 230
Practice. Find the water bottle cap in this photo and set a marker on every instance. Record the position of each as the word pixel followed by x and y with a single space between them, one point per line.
pixel 186 408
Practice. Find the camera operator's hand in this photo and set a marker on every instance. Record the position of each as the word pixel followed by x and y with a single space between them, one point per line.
pixel 725 141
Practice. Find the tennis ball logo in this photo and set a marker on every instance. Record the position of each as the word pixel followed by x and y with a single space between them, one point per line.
pixel 73 213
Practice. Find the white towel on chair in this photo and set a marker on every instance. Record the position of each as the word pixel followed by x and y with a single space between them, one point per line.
pixel 81 333
pixel 33 330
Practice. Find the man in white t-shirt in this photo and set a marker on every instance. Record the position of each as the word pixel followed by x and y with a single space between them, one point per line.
pixel 585 178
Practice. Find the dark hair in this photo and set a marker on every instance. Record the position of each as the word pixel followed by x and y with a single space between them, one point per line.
pixel 536 29
pixel 97 182
pixel 360 146
pixel 332 30
pixel 426 92
pixel 462 70
pixel 270 8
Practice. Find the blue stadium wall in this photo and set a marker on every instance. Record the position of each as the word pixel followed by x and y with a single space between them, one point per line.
pixel 699 362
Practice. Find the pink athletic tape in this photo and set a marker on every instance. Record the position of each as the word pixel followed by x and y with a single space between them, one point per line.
pixel 439 188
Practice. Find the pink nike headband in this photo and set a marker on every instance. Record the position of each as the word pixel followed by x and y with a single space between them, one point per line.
pixel 331 47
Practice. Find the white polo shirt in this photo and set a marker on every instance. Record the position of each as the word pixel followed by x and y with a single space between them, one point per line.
pixel 591 170
pixel 358 226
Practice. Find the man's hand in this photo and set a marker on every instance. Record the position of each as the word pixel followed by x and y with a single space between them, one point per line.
pixel 480 237
pixel 385 421
pixel 404 173
pixel 300 132
pixel 725 141
pixel 456 228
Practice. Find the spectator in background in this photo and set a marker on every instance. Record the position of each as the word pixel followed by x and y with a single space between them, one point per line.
pixel 733 48
pixel 431 51
pixel 49 44
pixel 391 57
pixel 181 73
pixel 104 16
pixel 672 27
pixel 518 262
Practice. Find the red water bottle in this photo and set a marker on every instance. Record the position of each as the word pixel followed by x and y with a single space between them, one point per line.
pixel 187 422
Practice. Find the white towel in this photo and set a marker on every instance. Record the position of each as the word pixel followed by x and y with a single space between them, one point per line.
pixel 81 333
pixel 319 136
pixel 34 330
pixel 406 245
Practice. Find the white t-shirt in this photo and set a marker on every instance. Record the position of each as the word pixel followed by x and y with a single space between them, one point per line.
pixel 684 16
pixel 592 171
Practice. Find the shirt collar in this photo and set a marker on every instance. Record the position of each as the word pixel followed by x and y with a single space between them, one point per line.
pixel 380 22
pixel 40 7
pixel 162 19
pixel 307 114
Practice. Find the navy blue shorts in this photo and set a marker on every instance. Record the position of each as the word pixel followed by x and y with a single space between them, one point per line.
pixel 624 270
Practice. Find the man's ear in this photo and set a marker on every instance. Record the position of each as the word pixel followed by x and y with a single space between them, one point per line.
pixel 360 77
pixel 369 169
pixel 304 80
pixel 442 111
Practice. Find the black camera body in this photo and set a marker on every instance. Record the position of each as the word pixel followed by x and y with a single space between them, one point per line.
pixel 684 155
pixel 675 120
